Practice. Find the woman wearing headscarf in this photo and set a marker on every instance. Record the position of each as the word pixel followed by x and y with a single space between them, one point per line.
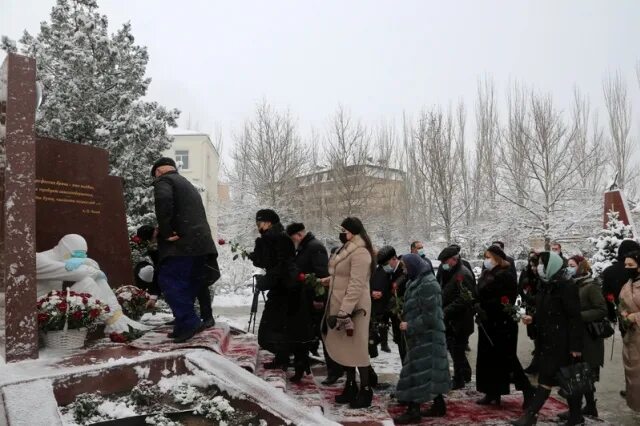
pixel 560 339
pixel 593 307
pixel 348 311
pixel 527 289
pixel 425 374
pixel 498 364
pixel 630 312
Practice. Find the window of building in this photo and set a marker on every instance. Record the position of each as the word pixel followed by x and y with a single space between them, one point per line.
pixel 182 159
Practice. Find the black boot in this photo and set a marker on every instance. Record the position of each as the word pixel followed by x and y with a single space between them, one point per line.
pixel 301 368
pixel 575 411
pixel 281 361
pixel 412 415
pixel 373 377
pixel 349 393
pixel 438 408
pixel 363 398
pixel 527 396
pixel 590 409
pixel 530 417
pixel 489 400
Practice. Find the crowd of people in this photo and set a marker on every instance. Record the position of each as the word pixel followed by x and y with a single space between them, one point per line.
pixel 431 312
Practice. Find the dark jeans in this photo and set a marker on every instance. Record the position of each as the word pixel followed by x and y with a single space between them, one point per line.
pixel 204 300
pixel 457 346
pixel 179 278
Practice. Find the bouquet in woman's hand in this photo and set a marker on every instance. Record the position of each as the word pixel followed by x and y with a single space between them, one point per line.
pixel 514 310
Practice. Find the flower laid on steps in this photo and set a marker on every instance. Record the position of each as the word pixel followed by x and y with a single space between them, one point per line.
pixel 133 301
pixel 74 310
pixel 127 336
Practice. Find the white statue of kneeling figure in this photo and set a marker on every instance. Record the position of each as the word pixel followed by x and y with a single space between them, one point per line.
pixel 68 261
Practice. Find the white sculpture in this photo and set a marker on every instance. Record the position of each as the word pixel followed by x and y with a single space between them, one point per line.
pixel 68 261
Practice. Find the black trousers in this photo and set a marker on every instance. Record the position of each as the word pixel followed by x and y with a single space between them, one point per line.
pixel 398 337
pixel 457 346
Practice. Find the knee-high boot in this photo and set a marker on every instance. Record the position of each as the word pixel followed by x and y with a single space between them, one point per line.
pixel 365 394
pixel 530 416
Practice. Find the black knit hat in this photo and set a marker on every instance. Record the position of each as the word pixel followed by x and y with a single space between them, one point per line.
pixel 353 225
pixel 385 254
pixel 635 255
pixel 267 215
pixel 145 232
pixel 449 252
pixel 497 251
pixel 294 228
pixel 164 161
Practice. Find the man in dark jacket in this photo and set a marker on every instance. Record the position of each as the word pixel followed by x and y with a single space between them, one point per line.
pixel 380 285
pixel 465 263
pixel 312 258
pixel 614 277
pixel 458 290
pixel 275 253
pixel 184 245
pixel 398 287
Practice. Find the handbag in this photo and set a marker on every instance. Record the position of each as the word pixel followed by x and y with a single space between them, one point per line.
pixel 575 379
pixel 601 329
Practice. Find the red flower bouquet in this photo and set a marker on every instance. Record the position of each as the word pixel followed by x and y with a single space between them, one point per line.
pixel 515 311
pixel 76 310
pixel 133 301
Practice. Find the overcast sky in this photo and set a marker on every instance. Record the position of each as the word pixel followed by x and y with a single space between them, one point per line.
pixel 214 60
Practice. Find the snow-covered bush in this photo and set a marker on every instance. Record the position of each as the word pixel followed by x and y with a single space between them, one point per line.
pixel 161 420
pixel 608 241
pixel 186 394
pixel 216 408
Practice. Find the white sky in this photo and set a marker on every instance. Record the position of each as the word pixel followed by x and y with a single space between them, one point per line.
pixel 214 60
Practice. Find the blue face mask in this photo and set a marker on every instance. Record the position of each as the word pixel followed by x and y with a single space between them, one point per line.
pixel 446 267
pixel 488 264
pixel 572 271
pixel 388 269
pixel 422 253
pixel 79 254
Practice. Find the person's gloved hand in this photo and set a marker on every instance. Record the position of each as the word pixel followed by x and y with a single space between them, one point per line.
pixel 74 263
pixel 343 321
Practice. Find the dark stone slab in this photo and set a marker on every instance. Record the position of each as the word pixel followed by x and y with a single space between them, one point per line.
pixel 17 171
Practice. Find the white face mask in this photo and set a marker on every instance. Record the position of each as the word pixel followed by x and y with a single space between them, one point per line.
pixel 541 272
pixel 488 264
pixel 422 253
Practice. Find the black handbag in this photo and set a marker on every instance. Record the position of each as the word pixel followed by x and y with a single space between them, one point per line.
pixel 575 379
pixel 601 329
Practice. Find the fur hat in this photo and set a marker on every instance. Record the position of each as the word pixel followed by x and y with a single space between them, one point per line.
pixel 353 225
pixel 164 161
pixel 497 251
pixel 294 228
pixel 267 215
pixel 385 254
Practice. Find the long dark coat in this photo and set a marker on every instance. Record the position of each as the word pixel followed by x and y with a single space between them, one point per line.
pixel 179 210
pixel 274 251
pixel 593 307
pixel 380 281
pixel 458 310
pixel 425 373
pixel 559 326
pixel 493 369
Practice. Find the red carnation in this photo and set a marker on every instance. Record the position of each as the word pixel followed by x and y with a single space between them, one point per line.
pixel 504 300
pixel 611 298
pixel 62 306
pixel 221 241
pixel 85 301
pixel 42 318
pixel 459 278
pixel 301 277
pixel 78 315
pixel 135 239
pixel 117 338
pixel 94 313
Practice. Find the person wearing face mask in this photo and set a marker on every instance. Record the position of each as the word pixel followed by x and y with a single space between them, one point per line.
pixel 348 311
pixel 275 253
pixel 614 277
pixel 527 289
pixel 417 247
pixel 592 308
pixel 380 297
pixel 398 286
pixel 425 374
pixel 458 291
pixel 630 312
pixel 498 364
pixel 560 335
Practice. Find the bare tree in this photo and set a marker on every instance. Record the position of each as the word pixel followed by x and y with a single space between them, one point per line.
pixel 619 110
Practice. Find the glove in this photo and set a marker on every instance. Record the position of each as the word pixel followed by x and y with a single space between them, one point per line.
pixel 73 263
pixel 344 323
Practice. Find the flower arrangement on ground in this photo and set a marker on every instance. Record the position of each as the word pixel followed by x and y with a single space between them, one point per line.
pixel 69 310
pixel 133 301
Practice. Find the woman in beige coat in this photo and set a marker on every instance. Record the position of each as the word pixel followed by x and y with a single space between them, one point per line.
pixel 347 315
pixel 630 312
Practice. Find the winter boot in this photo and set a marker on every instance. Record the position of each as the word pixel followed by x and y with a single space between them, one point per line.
pixel 281 361
pixel 363 398
pixel 489 400
pixel 530 417
pixel 412 415
pixel 575 412
pixel 590 409
pixel 438 408
pixel 301 369
pixel 349 393
pixel 527 396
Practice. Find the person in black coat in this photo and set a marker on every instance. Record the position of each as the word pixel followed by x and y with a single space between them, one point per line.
pixel 380 285
pixel 614 278
pixel 312 258
pixel 465 263
pixel 497 363
pixel 528 289
pixel 184 245
pixel 511 260
pixel 398 286
pixel 275 253
pixel 560 334
pixel 458 292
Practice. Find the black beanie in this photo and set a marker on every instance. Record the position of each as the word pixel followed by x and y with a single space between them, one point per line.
pixel 267 215
pixel 497 251
pixel 294 228
pixel 353 225
pixel 448 253
pixel 385 254
pixel 164 161
pixel 145 232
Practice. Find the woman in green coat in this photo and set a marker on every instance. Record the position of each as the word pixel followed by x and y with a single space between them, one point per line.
pixel 425 374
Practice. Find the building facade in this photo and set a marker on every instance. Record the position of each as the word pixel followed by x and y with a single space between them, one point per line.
pixel 198 160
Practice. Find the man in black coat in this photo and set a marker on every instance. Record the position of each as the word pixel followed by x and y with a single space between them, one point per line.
pixel 465 263
pixel 184 245
pixel 398 287
pixel 458 291
pixel 275 253
pixel 380 284
pixel 614 277
pixel 312 258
